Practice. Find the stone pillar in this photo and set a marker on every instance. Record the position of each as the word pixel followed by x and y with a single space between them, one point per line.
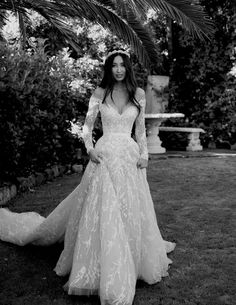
pixel 157 93
pixel 153 140
pixel 194 143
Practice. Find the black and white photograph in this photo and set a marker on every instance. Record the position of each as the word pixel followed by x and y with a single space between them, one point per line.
pixel 117 152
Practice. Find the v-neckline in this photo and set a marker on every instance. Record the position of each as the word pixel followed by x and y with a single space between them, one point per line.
pixel 117 110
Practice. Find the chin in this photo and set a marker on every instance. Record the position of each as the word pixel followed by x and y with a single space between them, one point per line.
pixel 120 79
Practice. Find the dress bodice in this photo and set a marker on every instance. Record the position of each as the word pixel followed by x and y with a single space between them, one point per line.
pixel 114 122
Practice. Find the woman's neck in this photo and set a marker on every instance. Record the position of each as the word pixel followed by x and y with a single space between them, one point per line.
pixel 119 86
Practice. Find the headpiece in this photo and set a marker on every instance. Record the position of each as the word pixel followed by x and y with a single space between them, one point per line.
pixel 117 52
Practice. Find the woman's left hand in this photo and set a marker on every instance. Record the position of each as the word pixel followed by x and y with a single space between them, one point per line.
pixel 142 163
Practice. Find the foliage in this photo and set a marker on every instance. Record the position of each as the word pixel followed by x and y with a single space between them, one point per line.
pixel 123 18
pixel 38 100
pixel 201 86
pixel 220 111
pixel 158 25
pixel 95 42
pixel 39 88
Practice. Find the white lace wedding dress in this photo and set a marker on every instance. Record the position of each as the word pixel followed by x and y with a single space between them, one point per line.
pixel 108 223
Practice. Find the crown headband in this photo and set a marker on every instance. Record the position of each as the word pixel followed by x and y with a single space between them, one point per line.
pixel 117 52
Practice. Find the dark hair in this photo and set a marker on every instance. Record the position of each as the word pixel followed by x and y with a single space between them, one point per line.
pixel 108 80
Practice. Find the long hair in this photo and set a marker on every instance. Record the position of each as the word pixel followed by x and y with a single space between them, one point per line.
pixel 108 80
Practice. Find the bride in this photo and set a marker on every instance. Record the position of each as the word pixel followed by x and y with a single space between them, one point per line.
pixel 108 223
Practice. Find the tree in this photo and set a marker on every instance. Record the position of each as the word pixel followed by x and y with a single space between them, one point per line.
pixel 201 83
pixel 123 18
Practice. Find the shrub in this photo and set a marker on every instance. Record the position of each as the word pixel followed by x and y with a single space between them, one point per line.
pixel 220 115
pixel 201 85
pixel 36 106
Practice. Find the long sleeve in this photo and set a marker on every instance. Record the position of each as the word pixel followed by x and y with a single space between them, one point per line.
pixel 140 130
pixel 91 115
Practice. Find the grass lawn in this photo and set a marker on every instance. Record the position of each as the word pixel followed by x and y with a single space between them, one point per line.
pixel 195 203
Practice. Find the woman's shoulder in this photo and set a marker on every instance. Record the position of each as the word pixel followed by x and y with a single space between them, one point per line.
pixel 98 93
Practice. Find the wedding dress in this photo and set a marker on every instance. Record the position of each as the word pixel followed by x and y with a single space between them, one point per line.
pixel 108 223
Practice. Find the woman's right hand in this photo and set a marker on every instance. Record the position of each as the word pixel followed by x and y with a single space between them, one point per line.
pixel 95 156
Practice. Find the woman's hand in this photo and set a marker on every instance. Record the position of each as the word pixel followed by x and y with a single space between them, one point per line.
pixel 95 156
pixel 142 163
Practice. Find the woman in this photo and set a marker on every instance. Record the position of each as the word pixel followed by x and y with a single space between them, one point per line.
pixel 108 223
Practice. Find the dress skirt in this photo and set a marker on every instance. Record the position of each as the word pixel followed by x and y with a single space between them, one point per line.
pixel 108 224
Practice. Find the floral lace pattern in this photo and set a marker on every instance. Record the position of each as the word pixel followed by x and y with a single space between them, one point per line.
pixel 108 223
pixel 113 122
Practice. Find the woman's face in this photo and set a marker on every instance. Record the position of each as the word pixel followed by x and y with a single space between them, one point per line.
pixel 118 69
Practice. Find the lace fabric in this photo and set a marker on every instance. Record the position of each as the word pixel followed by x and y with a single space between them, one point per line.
pixel 113 122
pixel 108 223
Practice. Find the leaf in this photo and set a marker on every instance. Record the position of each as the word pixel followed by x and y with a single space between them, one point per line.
pixel 190 16
pixel 123 18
